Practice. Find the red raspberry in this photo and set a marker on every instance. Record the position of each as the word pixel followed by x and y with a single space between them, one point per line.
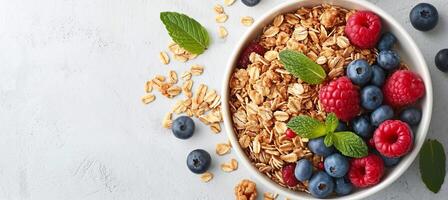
pixel 290 133
pixel 288 175
pixel 254 46
pixel 393 138
pixel 403 88
pixel 363 29
pixel 366 171
pixel 340 97
pixel 320 165
pixel 371 143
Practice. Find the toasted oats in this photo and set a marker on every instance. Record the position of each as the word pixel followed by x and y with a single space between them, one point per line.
pixel 281 116
pixel 244 141
pixel 342 42
pixel 246 190
pixel 226 167
pixel 196 70
pixel 234 163
pixel 206 177
pixel 270 55
pixel 186 76
pixel 269 196
pixel 218 9
pixel 321 60
pixel 222 32
pixel 148 98
pixel 278 20
pixel 173 77
pixel 164 58
pixel 215 127
pixel 229 2
pixel 222 148
pixel 167 120
pixel 300 33
pixel 180 58
pixel 247 21
pixel 221 18
pixel 148 86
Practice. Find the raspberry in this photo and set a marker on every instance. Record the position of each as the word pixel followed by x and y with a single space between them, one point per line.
pixel 243 61
pixel 290 133
pixel 288 175
pixel 366 171
pixel 403 88
pixel 340 97
pixel 320 165
pixel 371 143
pixel 393 138
pixel 363 29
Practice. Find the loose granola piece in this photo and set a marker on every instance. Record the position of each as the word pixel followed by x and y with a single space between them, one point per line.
pixel 173 77
pixel 196 70
pixel 206 177
pixel 167 120
pixel 221 18
pixel 148 86
pixel 222 148
pixel 222 32
pixel 180 54
pixel 186 76
pixel 229 2
pixel 164 58
pixel 247 20
pixel 148 98
pixel 215 127
pixel 246 190
pixel 218 9
pixel 269 196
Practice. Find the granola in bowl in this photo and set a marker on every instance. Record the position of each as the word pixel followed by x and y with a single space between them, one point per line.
pixel 264 97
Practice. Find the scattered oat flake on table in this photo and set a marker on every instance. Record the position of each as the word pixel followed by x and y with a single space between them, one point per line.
pixel 215 127
pixel 197 70
pixel 221 18
pixel 269 196
pixel 172 75
pixel 164 57
pixel 218 9
pixel 229 2
pixel 246 190
pixel 148 98
pixel 222 32
pixel 230 167
pixel 148 86
pixel 206 177
pixel 247 20
pixel 222 148
pixel 186 76
pixel 167 120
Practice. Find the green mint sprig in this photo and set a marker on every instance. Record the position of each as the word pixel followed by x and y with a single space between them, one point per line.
pixel 348 143
pixel 186 32
pixel 300 66
pixel 432 165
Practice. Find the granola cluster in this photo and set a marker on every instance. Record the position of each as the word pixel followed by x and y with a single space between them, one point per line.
pixel 264 96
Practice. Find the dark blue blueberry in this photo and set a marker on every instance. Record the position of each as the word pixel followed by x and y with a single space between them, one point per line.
pixel 198 161
pixel 387 41
pixel 318 147
pixel 343 186
pixel 381 114
pixel 412 116
pixel 183 127
pixel 388 60
pixel 390 162
pixel 378 76
pixel 441 60
pixel 359 71
pixel 361 126
pixel 303 170
pixel 321 185
pixel 371 97
pixel 424 17
pixel 342 126
pixel 336 165
pixel 251 3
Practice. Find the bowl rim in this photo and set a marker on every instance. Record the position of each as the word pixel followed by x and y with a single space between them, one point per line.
pixel 423 127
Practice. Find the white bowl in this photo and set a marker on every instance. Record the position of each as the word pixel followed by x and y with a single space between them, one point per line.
pixel 409 53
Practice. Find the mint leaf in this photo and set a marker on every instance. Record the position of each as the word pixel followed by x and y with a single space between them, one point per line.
pixel 307 127
pixel 350 144
pixel 331 123
pixel 302 67
pixel 432 165
pixel 328 140
pixel 186 32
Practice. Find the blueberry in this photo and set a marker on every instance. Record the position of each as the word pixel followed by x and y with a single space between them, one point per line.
pixel 336 165
pixel 361 126
pixel 198 161
pixel 424 17
pixel 381 114
pixel 371 97
pixel 318 147
pixel 390 162
pixel 343 186
pixel 183 127
pixel 387 41
pixel 303 170
pixel 441 60
pixel 378 76
pixel 321 185
pixel 251 2
pixel 388 60
pixel 412 116
pixel 342 126
pixel 359 71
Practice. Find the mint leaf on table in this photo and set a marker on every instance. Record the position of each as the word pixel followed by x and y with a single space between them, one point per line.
pixel 302 67
pixel 307 127
pixel 350 144
pixel 432 165
pixel 186 32
pixel 331 123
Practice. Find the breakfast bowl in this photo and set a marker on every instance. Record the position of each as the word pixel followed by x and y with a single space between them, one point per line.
pixel 262 166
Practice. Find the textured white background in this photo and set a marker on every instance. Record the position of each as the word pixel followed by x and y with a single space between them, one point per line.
pixel 71 122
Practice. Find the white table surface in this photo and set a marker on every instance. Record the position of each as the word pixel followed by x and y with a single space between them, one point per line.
pixel 71 122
